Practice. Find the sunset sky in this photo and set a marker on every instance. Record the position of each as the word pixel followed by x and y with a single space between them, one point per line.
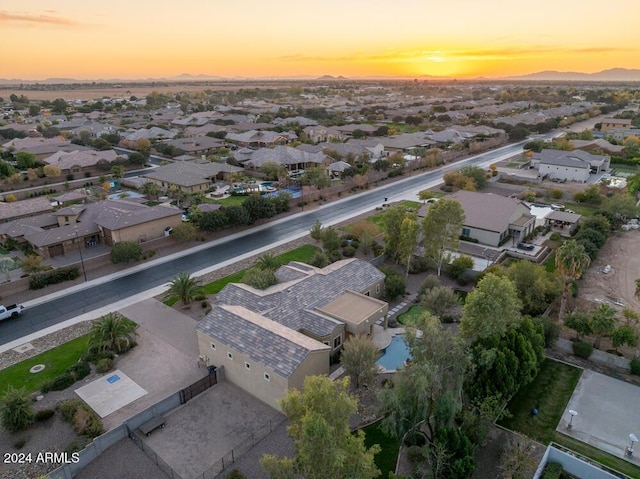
pixel 87 39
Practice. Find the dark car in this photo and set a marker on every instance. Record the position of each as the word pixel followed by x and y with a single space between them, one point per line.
pixel 526 246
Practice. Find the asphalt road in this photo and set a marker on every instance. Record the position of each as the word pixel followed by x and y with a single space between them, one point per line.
pixel 73 304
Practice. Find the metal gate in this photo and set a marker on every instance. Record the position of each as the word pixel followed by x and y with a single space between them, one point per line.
pixel 196 388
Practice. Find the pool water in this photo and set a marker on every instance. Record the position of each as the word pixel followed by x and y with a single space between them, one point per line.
pixel 294 192
pixel 395 355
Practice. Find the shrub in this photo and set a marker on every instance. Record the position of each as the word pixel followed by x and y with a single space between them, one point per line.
pixel 62 382
pixel 348 251
pixel 199 297
pixel 104 365
pixel 15 408
pixel 415 438
pixel 40 280
pixel 415 455
pixel 125 251
pixel 68 408
pixel 394 285
pixel 76 445
pixel 319 259
pixel 79 371
pixel 554 236
pixel 635 367
pixel 418 265
pixel 459 265
pixel 582 350
pixel 44 414
pixel 204 304
pixel 552 470
pixel 235 474
pixel 259 278
pixel 87 423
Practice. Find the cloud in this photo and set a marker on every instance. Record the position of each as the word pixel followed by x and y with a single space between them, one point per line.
pixel 28 19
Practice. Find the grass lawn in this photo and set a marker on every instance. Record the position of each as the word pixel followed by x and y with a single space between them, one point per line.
pixel 231 201
pixel 56 361
pixel 303 254
pixel 550 263
pixel 550 393
pixel 625 169
pixel 513 165
pixel 388 456
pixel 378 218
pixel 414 312
pixel 582 209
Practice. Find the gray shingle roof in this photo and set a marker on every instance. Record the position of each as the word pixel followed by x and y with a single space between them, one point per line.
pixel 293 303
pixel 487 211
pixel 262 340
pixel 189 174
pixel 117 214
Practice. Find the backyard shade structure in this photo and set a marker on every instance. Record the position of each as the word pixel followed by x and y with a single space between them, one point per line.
pixel 563 221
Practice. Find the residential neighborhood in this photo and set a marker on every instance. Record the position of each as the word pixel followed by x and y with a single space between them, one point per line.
pixel 443 268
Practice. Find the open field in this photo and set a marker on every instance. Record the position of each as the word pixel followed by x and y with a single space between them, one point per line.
pixel 620 252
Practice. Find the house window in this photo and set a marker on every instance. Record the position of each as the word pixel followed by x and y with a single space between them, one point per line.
pixel 377 288
pixel 337 342
pixel 66 219
pixel 247 366
pixel 213 346
pixel 466 232
pixel 230 356
pixel 267 377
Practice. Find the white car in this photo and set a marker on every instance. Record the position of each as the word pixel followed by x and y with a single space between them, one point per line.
pixel 556 206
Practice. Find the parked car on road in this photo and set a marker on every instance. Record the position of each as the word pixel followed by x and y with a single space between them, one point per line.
pixel 10 311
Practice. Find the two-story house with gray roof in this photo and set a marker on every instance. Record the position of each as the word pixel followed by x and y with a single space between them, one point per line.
pixel 573 165
pixel 269 340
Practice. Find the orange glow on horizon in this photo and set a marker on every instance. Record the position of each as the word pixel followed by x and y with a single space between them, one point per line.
pixel 465 39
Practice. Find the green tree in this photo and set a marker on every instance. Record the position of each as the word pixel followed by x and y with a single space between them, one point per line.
pixel 580 322
pixel 603 320
pixel 213 220
pixel 427 392
pixel 459 265
pixel 358 358
pixel 112 332
pixel 408 241
pixel 16 410
pixel 476 173
pixel 504 363
pixel 537 288
pixel 393 218
pixel 620 206
pixel 272 170
pixel 571 261
pixel 441 230
pixel 319 427
pixel 491 308
pixel 125 251
pixel 625 334
pixel 26 160
pixel 258 207
pixel 330 240
pixel 316 231
pixel 439 300
pixel 117 171
pixel 184 232
pixel 183 286
pixel 316 176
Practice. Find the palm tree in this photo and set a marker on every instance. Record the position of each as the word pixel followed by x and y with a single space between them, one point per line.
pixel 571 261
pixel 603 322
pixel 183 286
pixel 268 261
pixel 150 190
pixel 112 333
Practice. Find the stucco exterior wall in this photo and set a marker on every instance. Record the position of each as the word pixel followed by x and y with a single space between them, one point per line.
pixel 146 231
pixel 580 175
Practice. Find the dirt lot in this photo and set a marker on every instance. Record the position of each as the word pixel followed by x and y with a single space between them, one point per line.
pixel 621 253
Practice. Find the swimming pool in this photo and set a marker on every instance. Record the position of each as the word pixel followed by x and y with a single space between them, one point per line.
pixel 395 355
pixel 294 192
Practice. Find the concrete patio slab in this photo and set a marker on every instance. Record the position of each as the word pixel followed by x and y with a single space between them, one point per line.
pixel 110 393
pixel 608 411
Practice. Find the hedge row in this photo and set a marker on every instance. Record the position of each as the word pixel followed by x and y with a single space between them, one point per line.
pixel 41 280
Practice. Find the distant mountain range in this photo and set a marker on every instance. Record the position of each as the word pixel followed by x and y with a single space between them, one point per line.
pixel 613 74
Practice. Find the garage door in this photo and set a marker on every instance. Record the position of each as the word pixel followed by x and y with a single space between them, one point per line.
pixel 56 250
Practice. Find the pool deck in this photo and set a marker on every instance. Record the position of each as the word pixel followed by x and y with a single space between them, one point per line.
pixel 382 337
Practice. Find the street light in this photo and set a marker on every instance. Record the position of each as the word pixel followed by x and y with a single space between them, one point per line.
pixel 633 439
pixel 84 271
pixel 573 414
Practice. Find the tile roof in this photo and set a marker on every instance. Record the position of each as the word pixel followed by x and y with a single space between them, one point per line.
pixel 487 211
pixel 24 208
pixel 59 235
pixel 66 160
pixel 294 302
pixel 283 155
pixel 263 340
pixel 188 173
pixel 118 214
